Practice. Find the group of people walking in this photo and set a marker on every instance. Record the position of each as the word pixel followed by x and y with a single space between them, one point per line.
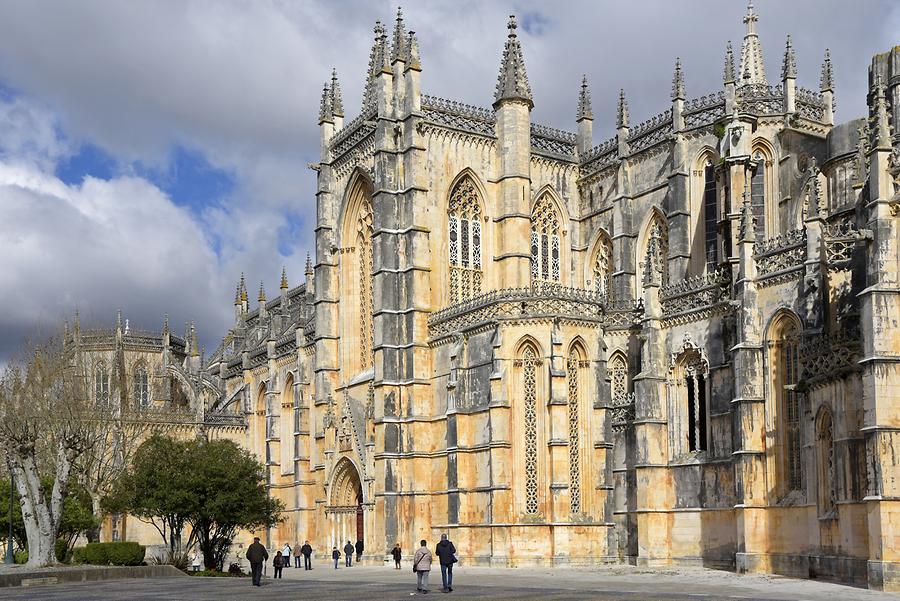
pixel 422 560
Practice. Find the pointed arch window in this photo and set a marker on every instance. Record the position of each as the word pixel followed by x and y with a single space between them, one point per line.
pixel 141 387
pixel 545 241
pixel 101 385
pixel 574 364
pixel 464 230
pixel 655 259
pixel 758 193
pixel 364 230
pixel 528 363
pixel 601 267
pixel 825 461
pixel 687 392
pixel 710 216
pixel 618 380
pixel 785 358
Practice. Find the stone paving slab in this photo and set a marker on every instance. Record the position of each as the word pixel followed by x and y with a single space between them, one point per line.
pixel 363 583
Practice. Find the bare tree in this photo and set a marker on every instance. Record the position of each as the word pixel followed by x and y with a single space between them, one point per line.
pixel 48 423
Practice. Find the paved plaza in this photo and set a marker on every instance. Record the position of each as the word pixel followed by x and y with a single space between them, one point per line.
pixel 362 583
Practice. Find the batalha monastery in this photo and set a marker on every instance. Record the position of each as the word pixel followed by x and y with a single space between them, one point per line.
pixel 679 345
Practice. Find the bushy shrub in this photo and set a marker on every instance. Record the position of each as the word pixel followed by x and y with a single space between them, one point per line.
pixel 20 557
pixel 63 553
pixel 179 559
pixel 117 554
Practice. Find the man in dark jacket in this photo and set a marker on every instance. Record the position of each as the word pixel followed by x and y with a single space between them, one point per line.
pixel 348 554
pixel 446 553
pixel 306 551
pixel 256 555
pixel 359 550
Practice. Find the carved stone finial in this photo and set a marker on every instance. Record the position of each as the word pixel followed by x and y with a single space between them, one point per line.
pixel 309 268
pixel 789 64
pixel 337 99
pixel 622 110
pixel 262 293
pixel 399 47
pixel 678 82
pixel 729 64
pixel 284 280
pixel 585 111
pixel 325 114
pixel 826 80
pixel 748 219
pixel 512 82
pixel 376 60
pixel 243 286
pixel 879 126
pixel 412 52
pixel 752 67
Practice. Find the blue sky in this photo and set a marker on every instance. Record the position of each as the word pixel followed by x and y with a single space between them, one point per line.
pixel 151 151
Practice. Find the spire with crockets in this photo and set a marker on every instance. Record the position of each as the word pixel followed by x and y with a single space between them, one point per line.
pixel 378 60
pixel 622 110
pixel 789 64
pixel 584 101
pixel 512 82
pixel 826 81
pixel 678 82
pixel 729 64
pixel 752 69
pixel 400 46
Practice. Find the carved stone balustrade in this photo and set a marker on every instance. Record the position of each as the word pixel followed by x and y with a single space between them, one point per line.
pixel 694 297
pixel 780 255
pixel 622 412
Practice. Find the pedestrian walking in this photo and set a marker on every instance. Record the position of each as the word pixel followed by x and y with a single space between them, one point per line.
pixel 286 553
pixel 397 554
pixel 359 549
pixel 256 555
pixel 446 553
pixel 348 554
pixel 278 564
pixel 297 554
pixel 336 556
pixel 306 549
pixel 422 566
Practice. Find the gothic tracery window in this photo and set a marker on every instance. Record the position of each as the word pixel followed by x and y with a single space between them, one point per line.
pixel 687 390
pixel 529 363
pixel 574 363
pixel 601 268
pixel 101 385
pixel 618 371
pixel 363 242
pixel 464 231
pixel 141 386
pixel 710 217
pixel 785 359
pixel 655 257
pixel 758 194
pixel 545 241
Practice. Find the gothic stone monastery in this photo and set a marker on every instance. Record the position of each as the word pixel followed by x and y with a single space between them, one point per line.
pixel 678 345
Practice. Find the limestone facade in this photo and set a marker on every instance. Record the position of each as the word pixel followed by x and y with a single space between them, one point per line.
pixel 676 346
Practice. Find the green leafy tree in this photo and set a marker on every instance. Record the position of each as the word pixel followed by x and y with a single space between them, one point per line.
pixel 19 536
pixel 231 495
pixel 157 488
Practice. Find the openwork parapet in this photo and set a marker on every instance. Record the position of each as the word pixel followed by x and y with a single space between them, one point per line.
pixel 781 253
pixel 829 357
pixel 600 156
pixel 352 134
pixel 622 411
pixel 543 299
pixel 840 242
pixel 555 142
pixel 696 293
pixel 225 419
pixel 704 110
pixel 457 115
pixel 761 99
pixel 650 132
pixel 810 105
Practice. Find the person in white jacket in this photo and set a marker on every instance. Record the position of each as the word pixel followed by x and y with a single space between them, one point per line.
pixel 286 552
pixel 422 566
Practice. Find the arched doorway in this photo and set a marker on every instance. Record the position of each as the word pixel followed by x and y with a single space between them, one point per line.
pixel 345 508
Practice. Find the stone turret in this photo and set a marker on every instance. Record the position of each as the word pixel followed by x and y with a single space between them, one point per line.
pixel 512 107
pixel 826 87
pixel 584 117
pixel 752 69
pixel 789 77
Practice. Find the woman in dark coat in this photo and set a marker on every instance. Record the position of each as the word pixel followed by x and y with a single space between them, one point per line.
pixel 397 554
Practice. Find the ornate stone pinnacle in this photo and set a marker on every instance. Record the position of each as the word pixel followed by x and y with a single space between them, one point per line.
pixel 622 110
pixel 325 113
pixel 585 111
pixel 789 64
pixel 309 268
pixel 165 323
pixel 399 47
pixel 195 351
pixel 826 81
pixel 729 63
pixel 752 67
pixel 337 98
pixel 262 293
pixel 237 295
pixel 284 281
pixel 375 60
pixel 879 127
pixel 412 52
pixel 678 82
pixel 512 82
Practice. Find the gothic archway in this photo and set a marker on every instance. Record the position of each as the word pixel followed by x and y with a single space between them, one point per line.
pixel 345 504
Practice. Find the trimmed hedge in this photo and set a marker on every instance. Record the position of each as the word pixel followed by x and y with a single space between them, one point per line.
pixel 116 554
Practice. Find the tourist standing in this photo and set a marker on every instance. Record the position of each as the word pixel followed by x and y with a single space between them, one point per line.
pixel 286 553
pixel 359 549
pixel 446 553
pixel 421 566
pixel 397 554
pixel 256 555
pixel 306 549
pixel 196 558
pixel 335 555
pixel 297 554
pixel 348 554
pixel 278 564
